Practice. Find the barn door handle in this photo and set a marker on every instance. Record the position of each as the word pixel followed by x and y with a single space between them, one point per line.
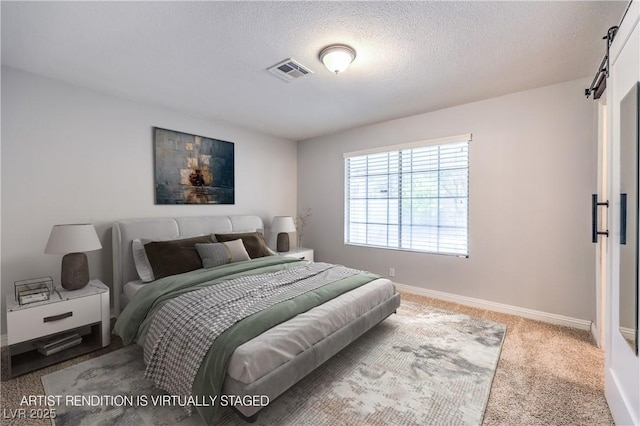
pixel 594 218
pixel 623 218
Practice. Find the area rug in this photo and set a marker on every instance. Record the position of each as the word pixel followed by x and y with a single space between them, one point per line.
pixel 421 366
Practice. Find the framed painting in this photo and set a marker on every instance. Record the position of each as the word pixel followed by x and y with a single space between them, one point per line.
pixel 192 169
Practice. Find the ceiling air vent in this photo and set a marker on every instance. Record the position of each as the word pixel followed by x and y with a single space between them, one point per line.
pixel 289 69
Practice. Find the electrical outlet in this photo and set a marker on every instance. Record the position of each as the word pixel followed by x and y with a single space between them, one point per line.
pixel 392 272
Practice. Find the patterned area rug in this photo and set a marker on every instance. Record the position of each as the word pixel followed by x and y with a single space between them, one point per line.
pixel 422 366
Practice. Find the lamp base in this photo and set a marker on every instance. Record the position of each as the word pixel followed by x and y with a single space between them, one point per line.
pixel 282 244
pixel 75 271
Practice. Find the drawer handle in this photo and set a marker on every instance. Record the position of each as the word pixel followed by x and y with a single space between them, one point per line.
pixel 58 317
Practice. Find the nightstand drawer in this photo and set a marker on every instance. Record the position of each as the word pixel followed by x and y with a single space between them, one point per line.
pixel 39 321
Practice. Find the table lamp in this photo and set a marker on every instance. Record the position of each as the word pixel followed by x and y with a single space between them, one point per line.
pixel 72 241
pixel 282 225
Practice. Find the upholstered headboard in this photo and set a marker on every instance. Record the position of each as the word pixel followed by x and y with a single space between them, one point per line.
pixel 125 231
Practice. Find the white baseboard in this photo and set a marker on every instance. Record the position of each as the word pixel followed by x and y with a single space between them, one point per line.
pixel 595 334
pixel 498 307
pixel 628 333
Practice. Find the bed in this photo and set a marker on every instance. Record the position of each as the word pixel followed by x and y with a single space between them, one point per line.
pixel 279 346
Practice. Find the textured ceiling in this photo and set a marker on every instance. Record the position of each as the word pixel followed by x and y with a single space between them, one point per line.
pixel 210 58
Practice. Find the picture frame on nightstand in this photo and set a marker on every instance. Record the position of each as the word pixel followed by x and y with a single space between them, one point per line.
pixel 33 290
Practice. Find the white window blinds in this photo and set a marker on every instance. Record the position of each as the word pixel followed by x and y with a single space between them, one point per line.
pixel 410 197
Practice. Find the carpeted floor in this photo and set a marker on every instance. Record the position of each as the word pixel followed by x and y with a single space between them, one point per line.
pixel 423 366
pixel 547 375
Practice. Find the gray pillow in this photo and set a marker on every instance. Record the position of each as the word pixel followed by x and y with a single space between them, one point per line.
pixel 214 254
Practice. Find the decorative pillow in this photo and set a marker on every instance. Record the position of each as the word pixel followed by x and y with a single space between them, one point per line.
pixel 253 242
pixel 141 261
pixel 174 257
pixel 241 231
pixel 238 250
pixel 213 254
pixel 216 254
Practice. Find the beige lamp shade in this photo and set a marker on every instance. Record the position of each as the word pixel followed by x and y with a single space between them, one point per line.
pixel 281 225
pixel 72 241
pixel 73 238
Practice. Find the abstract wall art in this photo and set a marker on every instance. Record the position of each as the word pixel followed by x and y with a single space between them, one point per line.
pixel 192 169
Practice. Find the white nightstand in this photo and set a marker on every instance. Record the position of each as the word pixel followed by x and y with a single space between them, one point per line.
pixel 301 253
pixel 84 311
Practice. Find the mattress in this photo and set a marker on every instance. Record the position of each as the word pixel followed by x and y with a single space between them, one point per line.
pixel 275 347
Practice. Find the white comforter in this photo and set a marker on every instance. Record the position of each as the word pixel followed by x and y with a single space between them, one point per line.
pixel 282 343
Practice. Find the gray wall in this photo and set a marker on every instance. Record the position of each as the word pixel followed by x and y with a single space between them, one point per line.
pixel 532 170
pixel 71 155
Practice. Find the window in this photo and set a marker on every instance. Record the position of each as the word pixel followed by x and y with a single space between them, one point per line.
pixel 410 197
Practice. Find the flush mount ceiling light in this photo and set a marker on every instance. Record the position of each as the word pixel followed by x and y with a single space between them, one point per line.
pixel 337 57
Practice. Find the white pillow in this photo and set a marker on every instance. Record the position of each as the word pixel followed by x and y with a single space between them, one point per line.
pixel 140 260
pixel 237 250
